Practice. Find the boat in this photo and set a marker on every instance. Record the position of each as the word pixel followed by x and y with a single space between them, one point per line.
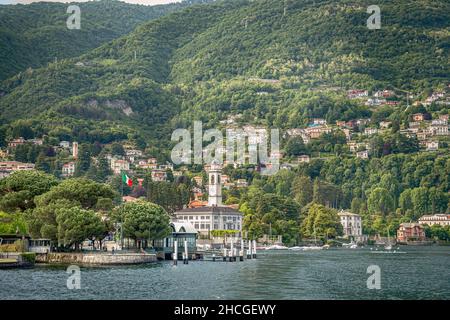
pixel 311 248
pixel 276 247
pixel 388 245
pixel 351 245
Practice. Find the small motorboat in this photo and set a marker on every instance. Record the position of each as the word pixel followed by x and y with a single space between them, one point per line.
pixel 311 248
pixel 351 245
pixel 276 247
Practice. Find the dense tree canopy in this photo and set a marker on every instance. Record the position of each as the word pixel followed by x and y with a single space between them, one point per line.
pixel 143 220
pixel 19 189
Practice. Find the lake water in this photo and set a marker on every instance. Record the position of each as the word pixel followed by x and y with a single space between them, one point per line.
pixel 414 273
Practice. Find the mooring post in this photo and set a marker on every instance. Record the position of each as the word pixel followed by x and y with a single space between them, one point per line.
pixel 224 254
pixel 214 257
pixel 186 254
pixel 175 252
pixel 249 250
pixel 241 252
pixel 232 250
pixel 254 249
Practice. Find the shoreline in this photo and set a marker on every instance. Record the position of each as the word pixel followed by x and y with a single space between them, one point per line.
pixel 93 259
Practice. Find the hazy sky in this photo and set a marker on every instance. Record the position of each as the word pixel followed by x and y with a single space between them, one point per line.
pixel 146 2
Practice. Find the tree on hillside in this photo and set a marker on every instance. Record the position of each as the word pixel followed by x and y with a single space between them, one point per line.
pixel 321 222
pixel 22 128
pixel 438 200
pixel 405 201
pixel 302 190
pixel 103 169
pixel 420 201
pixel 169 195
pixel 289 229
pixel 295 146
pixel 117 149
pixel 83 162
pixel 380 201
pixel 326 193
pixel 253 226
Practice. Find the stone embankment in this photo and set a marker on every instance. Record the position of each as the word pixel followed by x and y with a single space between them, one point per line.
pixel 95 258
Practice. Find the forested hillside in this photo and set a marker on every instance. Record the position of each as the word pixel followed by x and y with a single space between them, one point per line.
pixel 367 109
pixel 35 34
pixel 200 60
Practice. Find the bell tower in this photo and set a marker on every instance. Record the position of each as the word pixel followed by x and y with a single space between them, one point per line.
pixel 214 185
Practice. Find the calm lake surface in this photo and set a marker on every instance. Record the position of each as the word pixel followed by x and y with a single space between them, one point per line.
pixel 414 273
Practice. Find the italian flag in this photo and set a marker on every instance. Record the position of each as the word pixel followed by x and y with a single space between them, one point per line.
pixel 127 180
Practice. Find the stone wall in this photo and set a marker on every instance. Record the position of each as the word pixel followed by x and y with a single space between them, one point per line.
pixel 95 258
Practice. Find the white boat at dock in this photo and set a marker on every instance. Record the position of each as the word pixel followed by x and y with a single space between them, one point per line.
pixel 351 245
pixel 309 248
pixel 276 247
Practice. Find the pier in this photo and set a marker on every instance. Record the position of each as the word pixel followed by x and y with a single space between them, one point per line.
pixel 235 252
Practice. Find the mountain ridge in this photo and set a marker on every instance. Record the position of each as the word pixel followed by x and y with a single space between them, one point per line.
pixel 34 34
pixel 196 63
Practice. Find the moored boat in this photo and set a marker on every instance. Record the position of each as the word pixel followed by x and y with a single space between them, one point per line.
pixel 276 247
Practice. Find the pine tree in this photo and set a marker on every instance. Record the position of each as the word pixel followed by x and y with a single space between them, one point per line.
pixel 84 160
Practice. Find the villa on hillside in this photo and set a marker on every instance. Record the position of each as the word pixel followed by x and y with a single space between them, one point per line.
pixel 68 169
pixel 363 154
pixel 8 167
pixel 440 219
pixel 303 159
pixel 119 165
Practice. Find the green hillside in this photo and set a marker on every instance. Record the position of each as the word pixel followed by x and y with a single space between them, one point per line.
pixel 273 63
pixel 207 61
pixel 33 35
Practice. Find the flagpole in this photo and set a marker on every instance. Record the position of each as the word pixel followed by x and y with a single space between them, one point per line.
pixel 121 215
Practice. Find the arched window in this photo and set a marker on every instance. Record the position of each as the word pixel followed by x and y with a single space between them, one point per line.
pixel 218 179
pixel 212 179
